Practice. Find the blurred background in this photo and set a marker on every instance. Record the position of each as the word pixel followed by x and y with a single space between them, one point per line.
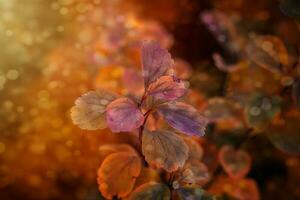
pixel 53 51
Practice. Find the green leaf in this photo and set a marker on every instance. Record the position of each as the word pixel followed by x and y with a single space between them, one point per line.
pixel 193 193
pixel 261 110
pixel 151 191
pixel 284 132
pixel 291 8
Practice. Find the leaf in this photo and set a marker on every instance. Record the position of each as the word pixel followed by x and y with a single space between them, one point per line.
pixel 123 115
pixel 236 163
pixel 194 172
pixel 242 83
pixel 261 110
pixel 284 132
pixel 108 149
pixel 148 174
pixel 290 8
pixel 151 191
pixel 164 149
pixel 224 112
pixel 168 88
pixel 192 193
pixel 268 52
pixel 117 174
pixel 296 93
pixel 156 61
pixel 183 117
pixel 89 110
pixel 243 189
pixel 195 150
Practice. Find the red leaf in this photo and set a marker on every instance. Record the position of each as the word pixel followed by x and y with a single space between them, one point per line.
pixel 123 115
pixel 156 61
pixel 168 88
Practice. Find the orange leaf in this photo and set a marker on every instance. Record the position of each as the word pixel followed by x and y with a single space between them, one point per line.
pixel 118 173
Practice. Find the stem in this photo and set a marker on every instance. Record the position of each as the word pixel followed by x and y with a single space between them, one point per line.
pixel 146 115
pixel 142 99
pixel 141 130
pixel 171 179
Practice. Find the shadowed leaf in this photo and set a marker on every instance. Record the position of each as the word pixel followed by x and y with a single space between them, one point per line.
pixel 284 132
pixel 296 93
pixel 194 172
pixel 290 8
pixel 195 149
pixel 224 112
pixel 261 110
pixel 242 189
pixel 268 52
pixel 151 191
pixel 236 163
pixel 164 149
pixel 192 193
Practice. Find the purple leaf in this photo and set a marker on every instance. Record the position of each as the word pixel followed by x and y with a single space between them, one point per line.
pixel 156 61
pixel 183 117
pixel 168 88
pixel 123 115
